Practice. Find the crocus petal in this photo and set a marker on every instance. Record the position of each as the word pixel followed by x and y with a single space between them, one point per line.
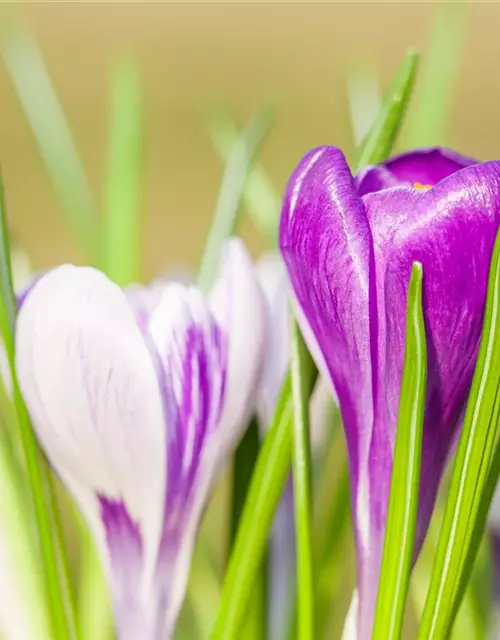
pixel 420 167
pixel 90 385
pixel 209 357
pixel 143 299
pixel 327 247
pixel 272 278
pixel 450 229
pixel 351 622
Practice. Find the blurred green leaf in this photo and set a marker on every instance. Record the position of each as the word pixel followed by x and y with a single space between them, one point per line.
pixel 95 618
pixel 380 140
pixel 62 626
pixel 405 479
pixel 300 371
pixel 259 195
pixel 472 473
pixel 363 95
pixel 438 76
pixel 44 113
pixel 121 224
pixel 231 191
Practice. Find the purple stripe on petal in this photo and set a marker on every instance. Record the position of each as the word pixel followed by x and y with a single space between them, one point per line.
pixel 125 549
pixel 194 383
pixel 418 167
pixel 191 352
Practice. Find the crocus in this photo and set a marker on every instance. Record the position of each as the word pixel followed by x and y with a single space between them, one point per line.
pixel 137 406
pixel 348 254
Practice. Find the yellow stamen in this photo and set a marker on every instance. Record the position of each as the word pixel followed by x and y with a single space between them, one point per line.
pixel 422 187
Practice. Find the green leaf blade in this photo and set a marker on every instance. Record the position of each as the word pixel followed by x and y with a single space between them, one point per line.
pixel 302 487
pixel 44 510
pixel 405 479
pixel 259 196
pixel 121 225
pixel 474 461
pixel 231 191
pixel 381 139
pixel 45 116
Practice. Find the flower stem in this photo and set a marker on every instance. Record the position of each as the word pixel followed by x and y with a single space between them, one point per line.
pixel 302 488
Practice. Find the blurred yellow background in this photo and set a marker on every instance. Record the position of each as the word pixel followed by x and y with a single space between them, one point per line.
pixel 192 55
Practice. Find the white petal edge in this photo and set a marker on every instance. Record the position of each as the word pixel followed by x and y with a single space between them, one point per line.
pixel 238 304
pixel 90 386
pixel 351 622
pixel 273 282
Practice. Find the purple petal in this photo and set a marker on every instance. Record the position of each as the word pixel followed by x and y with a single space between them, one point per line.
pixel 320 239
pixel 90 385
pixel 423 167
pixel 327 247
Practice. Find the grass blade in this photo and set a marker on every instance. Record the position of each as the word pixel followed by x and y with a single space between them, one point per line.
pixel 471 469
pixel 265 491
pixel 62 627
pixel 259 195
pixel 405 480
pixel 381 139
pixel 299 366
pixel 121 225
pixel 231 192
pixel 440 68
pixel 46 118
pixel 244 462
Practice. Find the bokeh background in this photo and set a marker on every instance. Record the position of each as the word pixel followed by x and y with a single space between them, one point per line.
pixel 193 55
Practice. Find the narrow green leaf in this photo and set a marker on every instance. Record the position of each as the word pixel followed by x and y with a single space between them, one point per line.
pixel 381 139
pixel 302 487
pixel 405 479
pixel 469 624
pixel 259 195
pixel 481 509
pixel 121 224
pixel 272 466
pixel 18 541
pixel 471 471
pixel 265 491
pixel 438 77
pixel 44 113
pixel 244 462
pixel 62 627
pixel 231 191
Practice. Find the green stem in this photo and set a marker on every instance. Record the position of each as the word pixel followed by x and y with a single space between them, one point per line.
pixel 302 490
pixel 35 465
pixel 405 479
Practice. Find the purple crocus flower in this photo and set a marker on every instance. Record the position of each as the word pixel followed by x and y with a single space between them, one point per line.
pixel 137 407
pixel 349 254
